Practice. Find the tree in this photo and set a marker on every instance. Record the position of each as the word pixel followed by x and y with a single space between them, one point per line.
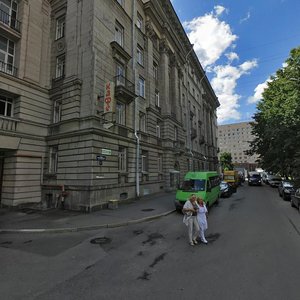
pixel 277 120
pixel 226 161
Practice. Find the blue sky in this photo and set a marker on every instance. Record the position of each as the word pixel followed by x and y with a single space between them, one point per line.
pixel 240 43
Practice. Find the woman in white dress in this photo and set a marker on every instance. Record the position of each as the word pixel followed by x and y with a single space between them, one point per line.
pixel 202 219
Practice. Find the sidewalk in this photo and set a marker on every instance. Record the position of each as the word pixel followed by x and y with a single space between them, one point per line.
pixel 54 220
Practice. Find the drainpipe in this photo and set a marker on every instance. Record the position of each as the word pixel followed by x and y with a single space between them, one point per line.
pixel 137 174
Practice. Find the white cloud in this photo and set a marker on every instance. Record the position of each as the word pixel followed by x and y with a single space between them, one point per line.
pixel 224 84
pixel 258 92
pixel 246 18
pixel 210 36
pixel 232 56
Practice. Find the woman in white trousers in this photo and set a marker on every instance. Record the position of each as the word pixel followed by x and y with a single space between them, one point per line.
pixel 190 209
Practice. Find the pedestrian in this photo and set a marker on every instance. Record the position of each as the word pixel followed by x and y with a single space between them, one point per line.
pixel 190 209
pixel 202 219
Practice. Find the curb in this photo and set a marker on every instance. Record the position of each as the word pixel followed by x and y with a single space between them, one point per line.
pixel 86 228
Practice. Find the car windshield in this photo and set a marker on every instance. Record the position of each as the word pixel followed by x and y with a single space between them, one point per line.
pixel 287 184
pixel 223 185
pixel 275 178
pixel 229 177
pixel 255 176
pixel 193 185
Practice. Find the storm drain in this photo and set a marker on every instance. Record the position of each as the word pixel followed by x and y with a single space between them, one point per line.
pixel 100 240
pixel 148 209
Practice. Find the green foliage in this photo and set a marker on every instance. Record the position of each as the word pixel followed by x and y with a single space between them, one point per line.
pixel 226 161
pixel 277 120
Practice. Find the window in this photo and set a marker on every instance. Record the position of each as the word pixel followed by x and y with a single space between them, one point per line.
pixel 7 52
pixel 121 2
pixel 53 159
pixel 6 106
pixel 60 66
pixel 155 70
pixel 142 122
pixel 8 13
pixel 158 129
pixel 122 159
pixel 144 161
pixel 157 98
pixel 120 113
pixel 119 34
pixel 140 55
pixel 120 74
pixel 57 111
pixel 60 27
pixel 139 22
pixel 141 87
pixel 159 163
pixel 175 133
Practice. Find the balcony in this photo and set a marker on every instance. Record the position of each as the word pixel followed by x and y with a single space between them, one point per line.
pixel 8 124
pixel 8 69
pixel 124 89
pixel 10 21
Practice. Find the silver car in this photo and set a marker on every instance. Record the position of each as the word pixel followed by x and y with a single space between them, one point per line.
pixel 274 180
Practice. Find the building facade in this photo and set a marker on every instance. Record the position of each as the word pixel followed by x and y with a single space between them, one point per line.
pixel 235 139
pixel 100 100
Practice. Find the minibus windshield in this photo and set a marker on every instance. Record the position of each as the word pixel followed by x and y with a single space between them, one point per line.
pixel 193 185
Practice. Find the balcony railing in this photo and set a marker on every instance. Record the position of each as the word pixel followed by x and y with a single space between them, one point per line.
pixel 124 88
pixel 8 20
pixel 8 124
pixel 8 69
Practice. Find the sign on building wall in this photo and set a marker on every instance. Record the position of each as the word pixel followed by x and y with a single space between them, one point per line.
pixel 109 97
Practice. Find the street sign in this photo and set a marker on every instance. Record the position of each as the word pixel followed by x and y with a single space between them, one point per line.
pixel 106 151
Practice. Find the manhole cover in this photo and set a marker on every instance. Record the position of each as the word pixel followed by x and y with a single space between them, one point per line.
pixel 147 209
pixel 100 240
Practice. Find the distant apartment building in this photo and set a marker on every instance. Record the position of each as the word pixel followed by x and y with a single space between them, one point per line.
pixel 99 100
pixel 235 139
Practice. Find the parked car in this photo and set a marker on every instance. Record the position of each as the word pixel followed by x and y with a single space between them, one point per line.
pixel 225 189
pixel 295 199
pixel 274 180
pixel 254 178
pixel 286 189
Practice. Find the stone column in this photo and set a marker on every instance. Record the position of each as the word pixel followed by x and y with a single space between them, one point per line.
pixel 163 77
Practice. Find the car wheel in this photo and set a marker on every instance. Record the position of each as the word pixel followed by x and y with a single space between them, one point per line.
pixel 292 203
pixel 284 197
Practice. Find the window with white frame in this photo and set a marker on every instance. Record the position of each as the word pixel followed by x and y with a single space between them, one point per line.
pixel 6 106
pixel 120 113
pixel 60 27
pixel 158 129
pixel 7 53
pixel 155 70
pixel 144 157
pixel 139 21
pixel 9 10
pixel 159 163
pixel 142 122
pixel 140 55
pixel 57 111
pixel 157 103
pixel 53 159
pixel 60 66
pixel 122 159
pixel 141 87
pixel 119 34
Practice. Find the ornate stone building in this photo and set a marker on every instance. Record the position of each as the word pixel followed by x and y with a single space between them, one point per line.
pixel 99 100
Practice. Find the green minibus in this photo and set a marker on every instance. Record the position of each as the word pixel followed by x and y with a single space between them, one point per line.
pixel 205 185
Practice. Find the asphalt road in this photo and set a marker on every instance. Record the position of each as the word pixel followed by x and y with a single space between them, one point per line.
pixel 253 253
